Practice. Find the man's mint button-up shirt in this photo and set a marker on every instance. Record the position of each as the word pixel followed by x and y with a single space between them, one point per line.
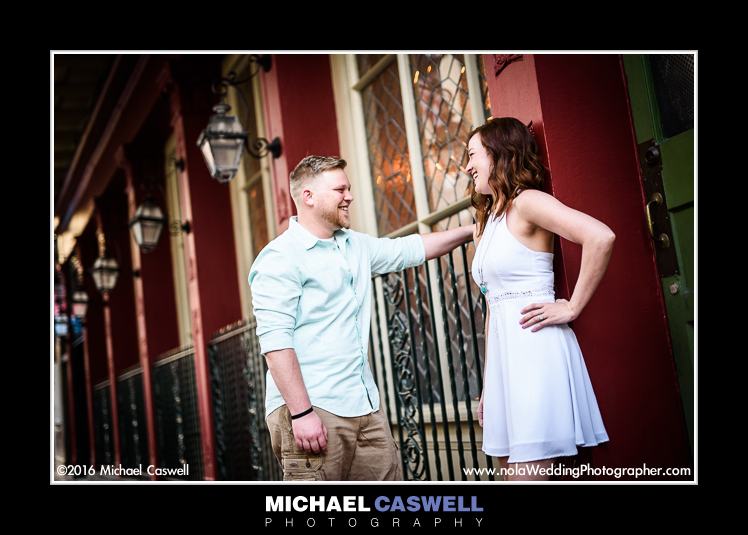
pixel 314 296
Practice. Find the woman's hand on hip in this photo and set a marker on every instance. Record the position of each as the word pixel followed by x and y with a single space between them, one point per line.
pixel 539 315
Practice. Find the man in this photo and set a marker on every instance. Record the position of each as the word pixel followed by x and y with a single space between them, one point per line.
pixel 311 293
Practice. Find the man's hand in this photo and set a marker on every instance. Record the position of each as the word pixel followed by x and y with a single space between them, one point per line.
pixel 437 244
pixel 310 433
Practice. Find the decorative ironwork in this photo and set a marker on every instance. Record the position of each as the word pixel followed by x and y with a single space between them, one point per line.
pixel 463 358
pixel 406 388
pixel 413 318
pixel 432 388
pixel 177 420
pixel 218 410
pixel 254 375
pixel 459 315
pixel 531 129
pixel 502 61
pixel 238 370
pixel 132 418
pixel 374 335
pixel 102 424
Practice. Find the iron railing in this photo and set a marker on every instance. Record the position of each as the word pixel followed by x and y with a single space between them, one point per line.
pixel 428 344
pixel 175 407
pixel 103 441
pixel 132 424
pixel 243 449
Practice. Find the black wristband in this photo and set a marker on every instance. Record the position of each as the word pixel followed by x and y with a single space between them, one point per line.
pixel 295 416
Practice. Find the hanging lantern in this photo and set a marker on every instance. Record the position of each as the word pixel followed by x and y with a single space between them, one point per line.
pixel 147 224
pixel 222 143
pixel 80 304
pixel 105 271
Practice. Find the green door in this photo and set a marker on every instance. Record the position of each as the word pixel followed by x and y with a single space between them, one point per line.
pixel 661 91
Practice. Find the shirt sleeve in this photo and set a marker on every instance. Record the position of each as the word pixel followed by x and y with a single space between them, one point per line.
pixel 276 288
pixel 394 254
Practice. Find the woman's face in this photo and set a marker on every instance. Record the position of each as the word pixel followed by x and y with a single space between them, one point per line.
pixel 479 165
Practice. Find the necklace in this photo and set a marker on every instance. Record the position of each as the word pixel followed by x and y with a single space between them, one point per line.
pixel 482 285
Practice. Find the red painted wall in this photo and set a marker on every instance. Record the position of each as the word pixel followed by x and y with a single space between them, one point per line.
pixel 208 203
pixel 158 296
pixel 579 107
pixel 214 237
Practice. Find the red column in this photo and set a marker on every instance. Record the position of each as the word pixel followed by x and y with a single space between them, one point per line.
pixel 119 304
pixel 140 318
pixel 111 365
pixel 68 364
pixel 70 408
pixel 89 394
pixel 299 108
pixel 112 375
pixel 209 247
pixel 94 346
pixel 580 112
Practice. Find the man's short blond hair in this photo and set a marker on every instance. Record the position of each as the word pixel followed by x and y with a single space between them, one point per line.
pixel 310 167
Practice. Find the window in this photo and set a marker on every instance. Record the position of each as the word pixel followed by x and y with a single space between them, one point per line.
pixel 246 111
pixel 388 151
pixel 417 112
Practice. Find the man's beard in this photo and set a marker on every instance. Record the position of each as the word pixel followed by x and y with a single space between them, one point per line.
pixel 334 218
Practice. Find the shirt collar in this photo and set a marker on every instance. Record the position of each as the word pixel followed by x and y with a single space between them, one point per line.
pixel 309 240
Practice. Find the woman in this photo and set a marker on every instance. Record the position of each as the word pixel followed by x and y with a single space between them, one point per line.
pixel 537 403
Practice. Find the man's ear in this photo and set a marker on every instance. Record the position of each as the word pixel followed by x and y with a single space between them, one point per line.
pixel 307 196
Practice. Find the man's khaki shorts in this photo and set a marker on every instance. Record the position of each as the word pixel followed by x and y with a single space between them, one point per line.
pixel 360 448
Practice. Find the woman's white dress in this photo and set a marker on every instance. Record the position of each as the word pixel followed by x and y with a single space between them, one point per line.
pixel 538 401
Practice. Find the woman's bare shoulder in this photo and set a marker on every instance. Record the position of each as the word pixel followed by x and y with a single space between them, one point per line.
pixel 528 203
pixel 530 197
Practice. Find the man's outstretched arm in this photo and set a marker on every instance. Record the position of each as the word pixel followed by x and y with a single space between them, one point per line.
pixel 440 243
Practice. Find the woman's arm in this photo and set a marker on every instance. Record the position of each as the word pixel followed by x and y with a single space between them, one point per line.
pixel 485 362
pixel 595 237
pixel 476 239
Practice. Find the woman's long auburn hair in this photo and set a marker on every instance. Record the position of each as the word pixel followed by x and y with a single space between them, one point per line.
pixel 516 166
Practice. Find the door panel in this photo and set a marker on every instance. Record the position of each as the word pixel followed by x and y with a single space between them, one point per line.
pixel 661 92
